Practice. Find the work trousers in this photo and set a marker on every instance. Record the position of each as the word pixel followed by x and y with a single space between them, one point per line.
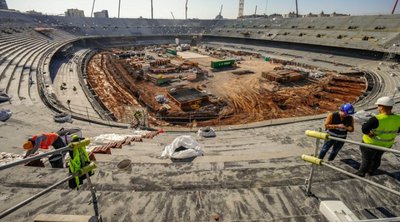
pixel 337 146
pixel 370 160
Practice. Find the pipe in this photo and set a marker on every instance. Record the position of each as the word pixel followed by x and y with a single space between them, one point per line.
pixel 361 178
pixel 312 160
pixel 29 159
pixel 326 136
pixel 30 199
pixel 84 170
pixel 313 167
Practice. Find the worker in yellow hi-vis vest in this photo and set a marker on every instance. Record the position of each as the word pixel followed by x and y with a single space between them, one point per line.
pixel 380 130
pixel 79 159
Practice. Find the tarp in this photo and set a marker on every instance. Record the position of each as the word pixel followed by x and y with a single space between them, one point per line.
pixel 206 132
pixel 182 147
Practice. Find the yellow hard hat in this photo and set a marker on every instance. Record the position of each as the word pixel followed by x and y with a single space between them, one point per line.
pixel 28 145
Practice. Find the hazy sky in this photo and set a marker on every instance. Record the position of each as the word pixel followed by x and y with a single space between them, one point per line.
pixel 206 9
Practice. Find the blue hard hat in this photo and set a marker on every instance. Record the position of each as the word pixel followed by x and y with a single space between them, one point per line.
pixel 347 108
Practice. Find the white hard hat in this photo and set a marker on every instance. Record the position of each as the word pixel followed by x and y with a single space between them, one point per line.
pixel 385 101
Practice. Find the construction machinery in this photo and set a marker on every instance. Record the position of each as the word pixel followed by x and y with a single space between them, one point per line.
pixel 173 15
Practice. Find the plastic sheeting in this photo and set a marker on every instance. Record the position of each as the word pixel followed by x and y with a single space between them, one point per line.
pixel 108 138
pixel 206 132
pixel 182 147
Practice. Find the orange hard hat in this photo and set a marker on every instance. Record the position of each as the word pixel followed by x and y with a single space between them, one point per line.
pixel 28 145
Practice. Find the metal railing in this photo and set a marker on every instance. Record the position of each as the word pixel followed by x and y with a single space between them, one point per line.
pixel 84 171
pixel 315 161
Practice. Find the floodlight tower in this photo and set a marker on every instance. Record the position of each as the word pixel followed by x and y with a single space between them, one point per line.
pixel 151 9
pixel 186 9
pixel 119 7
pixel 241 8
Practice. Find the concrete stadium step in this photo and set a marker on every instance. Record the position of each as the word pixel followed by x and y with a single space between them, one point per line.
pixel 232 205
pixel 16 72
pixel 237 190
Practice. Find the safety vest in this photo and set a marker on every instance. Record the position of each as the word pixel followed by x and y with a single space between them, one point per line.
pixel 342 133
pixel 386 132
pixel 79 159
pixel 48 139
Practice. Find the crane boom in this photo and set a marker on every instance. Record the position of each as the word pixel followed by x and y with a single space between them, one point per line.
pixel 220 11
pixel 173 15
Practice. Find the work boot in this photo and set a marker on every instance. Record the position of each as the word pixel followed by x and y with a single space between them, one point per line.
pixel 360 174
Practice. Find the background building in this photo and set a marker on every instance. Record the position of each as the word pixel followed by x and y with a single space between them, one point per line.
pixel 101 14
pixel 3 4
pixel 74 13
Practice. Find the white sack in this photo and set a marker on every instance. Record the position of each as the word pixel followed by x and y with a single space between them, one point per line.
pixel 192 148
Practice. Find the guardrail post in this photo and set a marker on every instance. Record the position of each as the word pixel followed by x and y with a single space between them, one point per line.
pixel 310 177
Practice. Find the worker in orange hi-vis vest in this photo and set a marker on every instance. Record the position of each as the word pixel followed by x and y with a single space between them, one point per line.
pixel 43 141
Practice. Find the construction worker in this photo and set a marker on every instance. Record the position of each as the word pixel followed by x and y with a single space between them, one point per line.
pixel 43 141
pixel 337 124
pixel 79 158
pixel 380 130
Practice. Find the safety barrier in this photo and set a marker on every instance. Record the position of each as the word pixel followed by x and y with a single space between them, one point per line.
pixel 84 171
pixel 318 162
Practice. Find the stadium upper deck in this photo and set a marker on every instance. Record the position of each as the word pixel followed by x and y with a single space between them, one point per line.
pixel 374 33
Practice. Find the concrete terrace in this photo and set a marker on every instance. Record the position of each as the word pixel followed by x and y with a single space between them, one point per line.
pixel 249 172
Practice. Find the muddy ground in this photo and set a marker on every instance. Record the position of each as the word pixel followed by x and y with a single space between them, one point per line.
pixel 248 98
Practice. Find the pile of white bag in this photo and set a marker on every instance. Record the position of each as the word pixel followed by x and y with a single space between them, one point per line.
pixel 182 147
